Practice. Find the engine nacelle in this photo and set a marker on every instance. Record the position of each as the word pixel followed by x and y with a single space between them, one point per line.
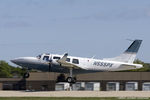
pixel 55 62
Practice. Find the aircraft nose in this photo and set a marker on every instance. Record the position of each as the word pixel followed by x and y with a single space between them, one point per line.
pixel 23 60
pixel 17 60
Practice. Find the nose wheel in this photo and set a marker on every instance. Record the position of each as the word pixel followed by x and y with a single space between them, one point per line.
pixel 26 75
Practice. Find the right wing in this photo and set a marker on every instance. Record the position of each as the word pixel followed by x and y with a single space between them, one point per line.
pixel 66 64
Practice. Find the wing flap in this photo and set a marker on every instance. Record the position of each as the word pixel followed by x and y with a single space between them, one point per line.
pixel 69 65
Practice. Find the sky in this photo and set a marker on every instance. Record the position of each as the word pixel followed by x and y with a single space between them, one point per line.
pixel 83 28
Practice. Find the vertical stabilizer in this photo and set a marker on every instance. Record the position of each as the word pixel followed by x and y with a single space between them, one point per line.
pixel 129 55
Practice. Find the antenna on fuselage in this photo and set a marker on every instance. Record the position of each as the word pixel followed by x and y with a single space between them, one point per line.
pixel 130 40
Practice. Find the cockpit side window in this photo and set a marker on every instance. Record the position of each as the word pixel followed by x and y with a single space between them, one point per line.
pixel 68 59
pixel 75 61
pixel 55 57
pixel 46 58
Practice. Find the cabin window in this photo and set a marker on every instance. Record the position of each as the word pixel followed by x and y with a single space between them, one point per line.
pixel 56 57
pixel 46 58
pixel 75 61
pixel 68 59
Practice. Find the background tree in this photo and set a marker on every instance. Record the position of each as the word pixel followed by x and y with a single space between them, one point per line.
pixel 5 69
pixel 8 71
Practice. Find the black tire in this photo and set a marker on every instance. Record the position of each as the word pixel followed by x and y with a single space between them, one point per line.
pixel 26 75
pixel 71 80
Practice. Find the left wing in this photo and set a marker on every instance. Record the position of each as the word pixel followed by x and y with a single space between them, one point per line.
pixel 66 64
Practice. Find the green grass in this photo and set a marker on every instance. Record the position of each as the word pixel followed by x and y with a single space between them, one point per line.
pixel 67 98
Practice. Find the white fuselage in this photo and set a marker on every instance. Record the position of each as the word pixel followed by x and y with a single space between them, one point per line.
pixel 84 64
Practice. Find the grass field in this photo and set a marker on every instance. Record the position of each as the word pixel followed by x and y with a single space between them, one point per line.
pixel 67 98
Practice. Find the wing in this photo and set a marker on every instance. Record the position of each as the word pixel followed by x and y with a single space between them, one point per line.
pixel 66 64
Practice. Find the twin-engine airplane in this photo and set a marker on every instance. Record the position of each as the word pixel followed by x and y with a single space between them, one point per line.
pixel 78 65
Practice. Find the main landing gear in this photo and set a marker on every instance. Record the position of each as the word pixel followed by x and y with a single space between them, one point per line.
pixel 71 79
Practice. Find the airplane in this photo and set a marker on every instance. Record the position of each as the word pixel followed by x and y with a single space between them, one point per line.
pixel 78 65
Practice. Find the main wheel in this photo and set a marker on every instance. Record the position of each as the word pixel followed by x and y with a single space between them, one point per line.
pixel 71 80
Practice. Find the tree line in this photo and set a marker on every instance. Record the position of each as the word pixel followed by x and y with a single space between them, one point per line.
pixel 8 71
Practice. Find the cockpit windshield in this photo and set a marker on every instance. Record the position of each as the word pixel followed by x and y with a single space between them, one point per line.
pixel 39 56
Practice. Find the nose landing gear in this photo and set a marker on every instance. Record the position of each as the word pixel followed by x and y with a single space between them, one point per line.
pixel 26 75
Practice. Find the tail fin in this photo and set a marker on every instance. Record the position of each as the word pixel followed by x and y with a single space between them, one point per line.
pixel 129 55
